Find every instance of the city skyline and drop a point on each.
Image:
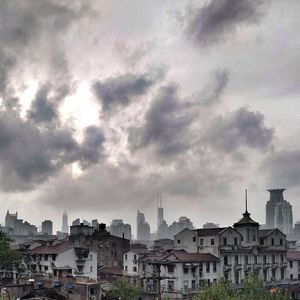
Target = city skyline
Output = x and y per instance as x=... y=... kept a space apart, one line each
x=158 y=203
x=176 y=100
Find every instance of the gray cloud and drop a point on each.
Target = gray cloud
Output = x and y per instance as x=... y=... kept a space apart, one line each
x=29 y=156
x=212 y=92
x=220 y=18
x=166 y=125
x=44 y=109
x=121 y=90
x=282 y=168
x=239 y=128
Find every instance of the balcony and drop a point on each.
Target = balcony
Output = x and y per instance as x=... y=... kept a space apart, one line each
x=227 y=268
x=237 y=267
x=258 y=266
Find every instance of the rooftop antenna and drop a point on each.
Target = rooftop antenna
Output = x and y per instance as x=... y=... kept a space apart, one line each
x=246 y=199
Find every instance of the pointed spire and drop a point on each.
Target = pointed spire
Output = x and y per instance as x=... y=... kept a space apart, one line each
x=246 y=199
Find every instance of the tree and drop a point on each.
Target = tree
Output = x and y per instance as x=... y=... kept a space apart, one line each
x=124 y=290
x=253 y=289
x=9 y=260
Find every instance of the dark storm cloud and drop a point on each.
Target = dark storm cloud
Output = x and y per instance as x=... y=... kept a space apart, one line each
x=220 y=18
x=239 y=128
x=121 y=90
x=282 y=168
x=29 y=156
x=166 y=125
x=44 y=108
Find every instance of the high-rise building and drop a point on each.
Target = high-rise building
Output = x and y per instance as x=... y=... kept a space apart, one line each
x=10 y=220
x=143 y=228
x=65 y=226
x=47 y=227
x=279 y=212
x=118 y=228
x=76 y=222
x=160 y=213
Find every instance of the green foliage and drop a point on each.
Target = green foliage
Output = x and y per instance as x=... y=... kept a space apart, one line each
x=125 y=290
x=253 y=289
x=9 y=259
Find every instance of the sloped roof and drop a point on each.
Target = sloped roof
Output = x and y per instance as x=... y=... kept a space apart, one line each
x=264 y=232
x=181 y=256
x=209 y=231
x=293 y=255
x=53 y=249
x=246 y=220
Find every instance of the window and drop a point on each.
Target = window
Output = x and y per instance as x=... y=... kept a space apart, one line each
x=171 y=268
x=254 y=238
x=281 y=258
x=134 y=269
x=46 y=268
x=185 y=285
x=282 y=273
x=214 y=267
x=255 y=259
x=126 y=268
x=235 y=241
x=201 y=242
x=46 y=256
x=265 y=272
x=212 y=242
x=291 y=264
x=194 y=239
x=170 y=285
x=265 y=259
x=193 y=270
x=207 y=267
x=178 y=241
x=134 y=257
x=246 y=259
x=273 y=259
x=91 y=257
x=125 y=256
x=236 y=259
x=224 y=241
x=200 y=267
x=92 y=291
x=193 y=285
x=281 y=242
x=291 y=277
x=261 y=241
x=272 y=242
x=236 y=277
x=273 y=274
x=91 y=269
x=185 y=270
x=226 y=260
x=53 y=257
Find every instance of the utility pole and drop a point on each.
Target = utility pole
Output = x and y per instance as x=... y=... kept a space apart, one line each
x=156 y=275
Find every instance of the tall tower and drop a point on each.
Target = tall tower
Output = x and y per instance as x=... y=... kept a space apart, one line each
x=65 y=226
x=160 y=212
x=279 y=212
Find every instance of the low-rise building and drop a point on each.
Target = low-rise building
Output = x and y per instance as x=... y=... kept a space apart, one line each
x=242 y=249
x=177 y=274
x=293 y=258
x=60 y=258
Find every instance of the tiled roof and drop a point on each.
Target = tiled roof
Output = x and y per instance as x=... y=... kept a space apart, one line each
x=111 y=270
x=293 y=255
x=246 y=220
x=264 y=232
x=139 y=248
x=180 y=256
x=55 y=249
x=209 y=231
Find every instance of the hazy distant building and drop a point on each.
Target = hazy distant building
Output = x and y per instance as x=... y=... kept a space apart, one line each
x=47 y=227
x=297 y=230
x=95 y=223
x=118 y=228
x=210 y=225
x=10 y=222
x=279 y=212
x=143 y=228
x=65 y=226
x=76 y=222
x=176 y=227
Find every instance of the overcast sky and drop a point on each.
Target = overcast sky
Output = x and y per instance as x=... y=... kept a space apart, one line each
x=105 y=104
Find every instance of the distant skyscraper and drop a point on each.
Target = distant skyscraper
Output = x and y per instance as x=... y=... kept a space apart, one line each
x=279 y=212
x=143 y=228
x=160 y=213
x=118 y=228
x=47 y=227
x=65 y=226
x=76 y=222
x=10 y=220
